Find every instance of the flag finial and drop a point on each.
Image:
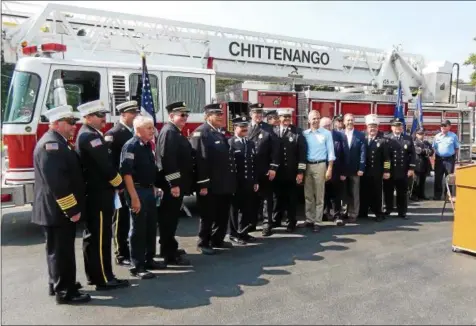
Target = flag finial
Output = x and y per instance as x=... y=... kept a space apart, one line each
x=142 y=54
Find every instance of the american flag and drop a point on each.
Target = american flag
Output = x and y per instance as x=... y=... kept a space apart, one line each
x=399 y=107
x=417 y=115
x=146 y=100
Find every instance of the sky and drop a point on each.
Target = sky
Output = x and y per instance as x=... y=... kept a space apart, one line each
x=437 y=30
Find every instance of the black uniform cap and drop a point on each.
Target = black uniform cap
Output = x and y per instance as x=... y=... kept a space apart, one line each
x=271 y=113
x=257 y=107
x=241 y=121
x=397 y=121
x=177 y=107
x=338 y=117
x=213 y=108
x=420 y=131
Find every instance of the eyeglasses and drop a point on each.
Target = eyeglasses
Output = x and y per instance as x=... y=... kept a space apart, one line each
x=71 y=122
x=99 y=114
x=183 y=115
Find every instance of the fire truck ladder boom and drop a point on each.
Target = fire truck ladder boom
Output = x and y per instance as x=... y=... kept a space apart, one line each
x=99 y=35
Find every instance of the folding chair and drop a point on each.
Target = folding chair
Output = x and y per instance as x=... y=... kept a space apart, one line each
x=450 y=180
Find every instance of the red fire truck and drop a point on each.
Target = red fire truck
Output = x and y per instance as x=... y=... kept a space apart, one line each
x=102 y=61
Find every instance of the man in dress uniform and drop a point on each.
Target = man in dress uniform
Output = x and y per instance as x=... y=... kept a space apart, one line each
x=272 y=118
x=116 y=137
x=175 y=158
x=338 y=122
x=102 y=183
x=247 y=183
x=140 y=176
x=377 y=167
x=402 y=157
x=267 y=157
x=215 y=180
x=423 y=151
x=58 y=203
x=291 y=169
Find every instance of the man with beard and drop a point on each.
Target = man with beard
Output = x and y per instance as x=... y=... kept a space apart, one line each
x=175 y=158
x=102 y=183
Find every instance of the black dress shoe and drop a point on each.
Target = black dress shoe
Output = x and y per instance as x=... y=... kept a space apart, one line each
x=403 y=216
x=51 y=290
x=206 y=250
x=72 y=298
x=238 y=241
x=223 y=245
x=178 y=261
x=141 y=273
x=249 y=238
x=155 y=265
x=291 y=228
x=379 y=218
x=387 y=212
x=112 y=284
x=123 y=261
x=266 y=231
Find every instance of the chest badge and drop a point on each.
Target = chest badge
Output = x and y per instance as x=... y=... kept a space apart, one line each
x=378 y=144
x=260 y=136
x=290 y=139
x=405 y=146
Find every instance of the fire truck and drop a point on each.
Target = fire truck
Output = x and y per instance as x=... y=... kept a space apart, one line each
x=90 y=54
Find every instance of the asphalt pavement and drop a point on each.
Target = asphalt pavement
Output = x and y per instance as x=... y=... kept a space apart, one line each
x=394 y=272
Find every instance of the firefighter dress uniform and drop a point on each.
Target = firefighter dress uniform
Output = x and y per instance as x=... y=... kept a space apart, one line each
x=293 y=157
x=378 y=163
x=402 y=157
x=175 y=158
x=59 y=195
x=102 y=180
x=214 y=171
x=243 y=214
x=116 y=137
x=423 y=151
x=267 y=158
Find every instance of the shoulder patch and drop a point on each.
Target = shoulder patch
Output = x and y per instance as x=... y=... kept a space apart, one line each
x=196 y=134
x=129 y=156
x=51 y=146
x=108 y=138
x=96 y=142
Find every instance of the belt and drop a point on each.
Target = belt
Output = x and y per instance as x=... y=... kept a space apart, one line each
x=444 y=157
x=316 y=162
x=143 y=185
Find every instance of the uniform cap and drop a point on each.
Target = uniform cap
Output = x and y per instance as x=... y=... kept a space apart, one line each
x=130 y=106
x=446 y=123
x=420 y=131
x=92 y=107
x=177 y=107
x=284 y=112
x=371 y=119
x=338 y=117
x=213 y=108
x=60 y=112
x=397 y=121
x=271 y=113
x=241 y=121
x=257 y=107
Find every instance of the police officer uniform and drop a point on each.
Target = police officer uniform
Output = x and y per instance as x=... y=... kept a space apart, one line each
x=292 y=162
x=402 y=156
x=267 y=158
x=377 y=163
x=59 y=196
x=116 y=137
x=215 y=171
x=423 y=151
x=242 y=213
x=102 y=180
x=175 y=158
x=137 y=161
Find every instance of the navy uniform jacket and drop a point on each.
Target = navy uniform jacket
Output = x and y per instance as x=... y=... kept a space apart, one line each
x=402 y=155
x=245 y=162
x=293 y=153
x=267 y=148
x=175 y=159
x=59 y=184
x=214 y=162
x=137 y=160
x=423 y=151
x=378 y=156
x=96 y=159
x=116 y=137
x=338 y=167
x=356 y=154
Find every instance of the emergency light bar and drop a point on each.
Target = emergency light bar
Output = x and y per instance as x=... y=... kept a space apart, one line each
x=45 y=48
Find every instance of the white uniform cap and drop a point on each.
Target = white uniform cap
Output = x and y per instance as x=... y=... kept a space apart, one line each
x=58 y=113
x=92 y=107
x=371 y=119
x=285 y=111
x=128 y=106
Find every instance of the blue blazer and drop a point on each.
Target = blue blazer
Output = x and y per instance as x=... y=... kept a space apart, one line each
x=340 y=161
x=355 y=154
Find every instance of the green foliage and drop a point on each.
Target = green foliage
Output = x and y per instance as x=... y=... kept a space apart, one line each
x=222 y=83
x=471 y=61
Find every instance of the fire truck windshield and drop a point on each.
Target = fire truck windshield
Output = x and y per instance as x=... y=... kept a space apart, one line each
x=22 y=97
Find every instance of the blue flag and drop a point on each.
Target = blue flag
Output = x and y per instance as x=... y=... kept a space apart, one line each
x=417 y=115
x=146 y=100
x=399 y=107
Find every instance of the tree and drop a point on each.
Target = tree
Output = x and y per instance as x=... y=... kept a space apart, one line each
x=471 y=61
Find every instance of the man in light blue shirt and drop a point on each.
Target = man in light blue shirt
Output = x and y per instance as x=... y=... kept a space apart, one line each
x=446 y=146
x=320 y=159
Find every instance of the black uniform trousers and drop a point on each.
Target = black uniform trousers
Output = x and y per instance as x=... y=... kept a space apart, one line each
x=333 y=196
x=143 y=231
x=214 y=215
x=266 y=200
x=169 y=213
x=60 y=256
x=242 y=214
x=287 y=197
x=443 y=167
x=120 y=229
x=401 y=187
x=97 y=236
x=371 y=195
x=419 y=185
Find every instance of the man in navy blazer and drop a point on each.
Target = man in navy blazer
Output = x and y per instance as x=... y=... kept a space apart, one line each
x=355 y=154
